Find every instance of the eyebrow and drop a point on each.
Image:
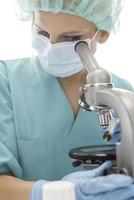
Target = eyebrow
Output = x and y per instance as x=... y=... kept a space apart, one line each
x=72 y=32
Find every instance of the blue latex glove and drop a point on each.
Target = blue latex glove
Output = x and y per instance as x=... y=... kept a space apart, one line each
x=117 y=133
x=36 y=193
x=91 y=185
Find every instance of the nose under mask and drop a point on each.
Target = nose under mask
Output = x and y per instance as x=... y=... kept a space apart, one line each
x=59 y=59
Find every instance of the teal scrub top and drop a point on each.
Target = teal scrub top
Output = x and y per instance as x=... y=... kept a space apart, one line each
x=37 y=125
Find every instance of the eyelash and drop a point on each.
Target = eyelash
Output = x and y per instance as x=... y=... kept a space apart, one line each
x=67 y=38
x=44 y=33
x=73 y=38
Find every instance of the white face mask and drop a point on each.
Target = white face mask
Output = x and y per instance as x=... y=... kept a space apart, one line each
x=59 y=59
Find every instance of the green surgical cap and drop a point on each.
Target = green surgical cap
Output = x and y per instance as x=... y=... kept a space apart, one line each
x=103 y=13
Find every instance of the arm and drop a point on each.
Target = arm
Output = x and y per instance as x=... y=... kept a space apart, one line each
x=12 y=188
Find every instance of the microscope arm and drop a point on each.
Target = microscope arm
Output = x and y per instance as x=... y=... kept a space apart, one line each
x=122 y=102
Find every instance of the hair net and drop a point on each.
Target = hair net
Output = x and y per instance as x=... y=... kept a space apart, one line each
x=103 y=13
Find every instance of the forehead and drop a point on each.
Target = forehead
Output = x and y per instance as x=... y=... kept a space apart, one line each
x=62 y=21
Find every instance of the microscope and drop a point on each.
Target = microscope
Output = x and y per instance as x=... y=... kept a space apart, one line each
x=98 y=95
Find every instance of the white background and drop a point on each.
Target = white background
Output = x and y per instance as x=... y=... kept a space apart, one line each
x=117 y=55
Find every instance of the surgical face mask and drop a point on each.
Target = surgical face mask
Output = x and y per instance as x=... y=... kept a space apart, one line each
x=58 y=59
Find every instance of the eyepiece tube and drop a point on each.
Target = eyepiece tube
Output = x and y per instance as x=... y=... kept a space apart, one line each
x=86 y=56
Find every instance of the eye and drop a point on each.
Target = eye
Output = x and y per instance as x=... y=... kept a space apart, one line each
x=44 y=33
x=71 y=38
x=39 y=31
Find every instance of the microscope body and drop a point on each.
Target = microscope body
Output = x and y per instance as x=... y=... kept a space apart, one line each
x=99 y=95
x=122 y=101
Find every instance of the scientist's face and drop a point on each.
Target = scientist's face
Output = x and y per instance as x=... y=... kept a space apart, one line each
x=63 y=27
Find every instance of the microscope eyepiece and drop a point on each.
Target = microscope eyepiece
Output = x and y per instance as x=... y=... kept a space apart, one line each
x=80 y=42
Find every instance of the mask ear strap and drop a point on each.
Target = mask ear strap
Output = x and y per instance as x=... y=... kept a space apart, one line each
x=95 y=35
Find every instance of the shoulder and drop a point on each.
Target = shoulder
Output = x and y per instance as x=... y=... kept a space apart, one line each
x=24 y=73
x=121 y=83
x=18 y=69
x=8 y=70
x=6 y=65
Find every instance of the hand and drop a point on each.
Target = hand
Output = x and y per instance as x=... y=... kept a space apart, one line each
x=91 y=185
x=36 y=193
x=116 y=137
x=116 y=134
x=113 y=132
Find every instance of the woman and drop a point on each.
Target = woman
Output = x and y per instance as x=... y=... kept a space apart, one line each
x=40 y=117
